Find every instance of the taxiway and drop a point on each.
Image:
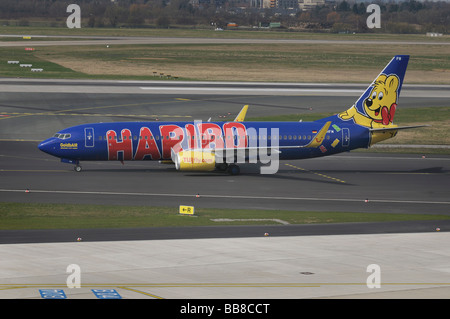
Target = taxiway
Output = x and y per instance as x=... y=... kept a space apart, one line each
x=218 y=262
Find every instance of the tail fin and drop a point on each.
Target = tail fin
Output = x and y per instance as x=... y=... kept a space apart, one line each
x=376 y=107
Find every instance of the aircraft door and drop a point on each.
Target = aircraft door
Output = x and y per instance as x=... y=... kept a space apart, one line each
x=89 y=137
x=345 y=137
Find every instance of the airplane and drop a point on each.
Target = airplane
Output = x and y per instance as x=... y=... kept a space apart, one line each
x=208 y=146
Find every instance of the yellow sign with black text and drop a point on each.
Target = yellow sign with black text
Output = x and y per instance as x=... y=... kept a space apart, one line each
x=186 y=210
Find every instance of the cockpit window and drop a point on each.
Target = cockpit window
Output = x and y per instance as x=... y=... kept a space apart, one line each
x=62 y=136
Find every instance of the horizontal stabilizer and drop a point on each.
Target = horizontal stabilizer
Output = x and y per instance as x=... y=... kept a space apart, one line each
x=395 y=128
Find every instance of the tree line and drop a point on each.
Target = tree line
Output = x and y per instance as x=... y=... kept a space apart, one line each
x=409 y=16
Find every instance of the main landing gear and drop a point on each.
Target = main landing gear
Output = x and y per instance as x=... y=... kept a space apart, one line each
x=231 y=169
x=77 y=168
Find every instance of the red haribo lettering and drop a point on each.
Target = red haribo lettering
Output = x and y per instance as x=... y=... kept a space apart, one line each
x=210 y=133
x=191 y=136
x=124 y=146
x=146 y=146
x=171 y=137
x=235 y=135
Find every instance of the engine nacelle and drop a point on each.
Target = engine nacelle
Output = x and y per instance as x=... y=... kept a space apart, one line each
x=194 y=161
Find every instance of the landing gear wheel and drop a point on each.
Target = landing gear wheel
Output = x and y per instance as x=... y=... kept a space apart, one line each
x=233 y=169
x=222 y=167
x=77 y=168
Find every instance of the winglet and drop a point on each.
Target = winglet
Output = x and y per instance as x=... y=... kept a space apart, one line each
x=241 y=116
x=320 y=136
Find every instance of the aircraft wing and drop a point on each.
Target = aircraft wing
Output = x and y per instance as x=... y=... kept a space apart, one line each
x=241 y=116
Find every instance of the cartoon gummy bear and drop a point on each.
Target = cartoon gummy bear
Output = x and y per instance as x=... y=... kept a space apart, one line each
x=379 y=106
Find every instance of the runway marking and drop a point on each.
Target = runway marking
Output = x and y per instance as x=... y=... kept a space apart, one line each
x=417 y=157
x=315 y=173
x=217 y=285
x=73 y=192
x=62 y=112
x=35 y=170
x=102 y=115
x=252 y=90
x=17 y=140
x=141 y=292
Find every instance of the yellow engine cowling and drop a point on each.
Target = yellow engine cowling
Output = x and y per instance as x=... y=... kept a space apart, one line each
x=194 y=161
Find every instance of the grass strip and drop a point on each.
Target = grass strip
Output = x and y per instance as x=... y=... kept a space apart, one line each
x=315 y=62
x=15 y=216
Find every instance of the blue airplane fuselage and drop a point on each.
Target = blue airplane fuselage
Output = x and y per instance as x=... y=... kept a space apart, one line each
x=153 y=140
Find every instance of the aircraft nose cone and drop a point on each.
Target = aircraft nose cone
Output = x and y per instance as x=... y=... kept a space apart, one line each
x=46 y=146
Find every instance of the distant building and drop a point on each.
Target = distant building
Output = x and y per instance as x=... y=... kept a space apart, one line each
x=262 y=4
x=310 y=4
x=286 y=4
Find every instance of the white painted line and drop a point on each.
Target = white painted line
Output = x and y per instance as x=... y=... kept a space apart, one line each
x=165 y=88
x=418 y=158
x=73 y=192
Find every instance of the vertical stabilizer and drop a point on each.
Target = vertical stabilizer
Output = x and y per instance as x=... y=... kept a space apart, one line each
x=376 y=107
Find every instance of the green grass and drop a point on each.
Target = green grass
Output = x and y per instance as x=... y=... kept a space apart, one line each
x=208 y=32
x=51 y=70
x=71 y=216
x=403 y=116
x=277 y=60
x=291 y=117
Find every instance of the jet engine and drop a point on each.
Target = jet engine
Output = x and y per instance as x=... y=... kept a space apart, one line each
x=194 y=160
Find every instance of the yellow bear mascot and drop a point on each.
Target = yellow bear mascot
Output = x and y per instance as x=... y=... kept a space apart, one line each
x=379 y=106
